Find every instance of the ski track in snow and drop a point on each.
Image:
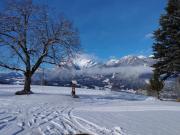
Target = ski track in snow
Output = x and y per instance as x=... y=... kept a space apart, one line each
x=43 y=119
x=52 y=111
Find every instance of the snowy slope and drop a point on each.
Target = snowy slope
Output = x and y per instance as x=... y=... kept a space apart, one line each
x=52 y=111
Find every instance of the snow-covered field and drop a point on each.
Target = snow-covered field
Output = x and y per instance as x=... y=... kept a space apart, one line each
x=52 y=111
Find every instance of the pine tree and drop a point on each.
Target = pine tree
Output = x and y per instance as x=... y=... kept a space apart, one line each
x=156 y=84
x=167 y=43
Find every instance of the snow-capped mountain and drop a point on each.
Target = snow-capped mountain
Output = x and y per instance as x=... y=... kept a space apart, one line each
x=112 y=62
x=130 y=60
x=79 y=62
x=84 y=62
x=136 y=60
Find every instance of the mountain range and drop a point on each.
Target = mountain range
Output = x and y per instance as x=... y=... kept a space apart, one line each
x=84 y=62
x=128 y=72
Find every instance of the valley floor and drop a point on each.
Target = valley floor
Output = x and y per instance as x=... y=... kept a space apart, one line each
x=52 y=111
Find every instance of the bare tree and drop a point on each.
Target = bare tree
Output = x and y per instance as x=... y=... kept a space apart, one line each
x=30 y=37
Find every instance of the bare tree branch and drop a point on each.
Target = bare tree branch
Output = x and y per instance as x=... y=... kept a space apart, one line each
x=32 y=36
x=11 y=68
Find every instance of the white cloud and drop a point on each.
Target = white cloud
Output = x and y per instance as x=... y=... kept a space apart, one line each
x=149 y=36
x=125 y=72
x=151 y=56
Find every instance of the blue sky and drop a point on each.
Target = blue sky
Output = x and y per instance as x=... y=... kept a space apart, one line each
x=113 y=27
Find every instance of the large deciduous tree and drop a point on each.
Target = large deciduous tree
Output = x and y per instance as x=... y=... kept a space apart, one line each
x=167 y=43
x=31 y=36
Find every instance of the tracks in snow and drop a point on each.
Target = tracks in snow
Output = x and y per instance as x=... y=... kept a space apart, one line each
x=46 y=119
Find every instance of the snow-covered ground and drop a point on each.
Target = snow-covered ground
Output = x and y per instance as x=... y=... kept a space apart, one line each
x=52 y=111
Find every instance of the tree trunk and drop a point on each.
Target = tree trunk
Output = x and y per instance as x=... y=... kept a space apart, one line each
x=158 y=94
x=27 y=85
x=178 y=86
